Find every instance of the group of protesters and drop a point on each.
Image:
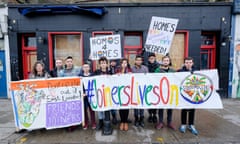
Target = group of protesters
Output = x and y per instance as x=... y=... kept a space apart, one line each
x=107 y=118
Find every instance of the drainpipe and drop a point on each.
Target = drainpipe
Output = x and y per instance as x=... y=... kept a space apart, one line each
x=231 y=57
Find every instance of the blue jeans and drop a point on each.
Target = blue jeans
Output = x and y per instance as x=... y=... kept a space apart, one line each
x=169 y=115
x=101 y=115
x=139 y=112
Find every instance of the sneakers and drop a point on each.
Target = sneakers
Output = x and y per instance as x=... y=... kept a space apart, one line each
x=94 y=126
x=85 y=127
x=159 y=126
x=141 y=123
x=136 y=123
x=193 y=129
x=171 y=126
x=182 y=128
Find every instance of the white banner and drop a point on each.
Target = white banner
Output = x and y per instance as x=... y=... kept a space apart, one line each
x=108 y=46
x=160 y=35
x=154 y=90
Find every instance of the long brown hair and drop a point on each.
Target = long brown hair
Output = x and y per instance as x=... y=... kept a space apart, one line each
x=34 y=70
x=128 y=65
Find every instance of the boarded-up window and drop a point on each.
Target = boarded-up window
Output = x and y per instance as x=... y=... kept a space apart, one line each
x=177 y=51
x=68 y=45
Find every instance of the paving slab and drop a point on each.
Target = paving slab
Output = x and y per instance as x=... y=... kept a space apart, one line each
x=214 y=126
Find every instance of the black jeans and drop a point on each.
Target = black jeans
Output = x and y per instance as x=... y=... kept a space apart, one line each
x=191 y=114
x=124 y=115
x=152 y=112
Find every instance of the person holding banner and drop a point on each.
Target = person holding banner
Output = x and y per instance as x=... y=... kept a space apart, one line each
x=86 y=73
x=106 y=124
x=113 y=66
x=122 y=69
x=39 y=71
x=69 y=71
x=152 y=65
x=58 y=67
x=188 y=66
x=139 y=68
x=112 y=70
x=165 y=68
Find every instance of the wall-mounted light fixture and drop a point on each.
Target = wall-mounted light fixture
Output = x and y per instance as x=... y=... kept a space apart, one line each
x=40 y=39
x=226 y=39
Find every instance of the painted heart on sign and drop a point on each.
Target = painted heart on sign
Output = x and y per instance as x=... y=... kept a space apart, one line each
x=28 y=104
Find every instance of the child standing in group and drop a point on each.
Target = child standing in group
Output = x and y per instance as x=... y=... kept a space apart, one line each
x=86 y=73
x=139 y=68
x=188 y=66
x=122 y=69
x=165 y=68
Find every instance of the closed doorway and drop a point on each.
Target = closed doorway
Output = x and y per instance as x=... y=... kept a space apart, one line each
x=3 y=80
x=29 y=53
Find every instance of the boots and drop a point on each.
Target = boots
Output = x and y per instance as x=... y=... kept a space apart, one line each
x=141 y=123
x=107 y=129
x=114 y=119
x=136 y=122
x=100 y=124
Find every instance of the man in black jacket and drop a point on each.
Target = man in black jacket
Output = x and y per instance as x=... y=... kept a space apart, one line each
x=152 y=66
x=104 y=117
x=58 y=67
x=188 y=66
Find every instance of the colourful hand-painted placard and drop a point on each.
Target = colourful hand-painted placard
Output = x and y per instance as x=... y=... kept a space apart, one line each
x=47 y=103
x=160 y=34
x=108 y=46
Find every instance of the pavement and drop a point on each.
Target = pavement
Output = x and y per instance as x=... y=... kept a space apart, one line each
x=214 y=126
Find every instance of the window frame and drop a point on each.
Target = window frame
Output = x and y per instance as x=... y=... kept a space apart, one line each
x=133 y=34
x=50 y=45
x=211 y=51
x=25 y=49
